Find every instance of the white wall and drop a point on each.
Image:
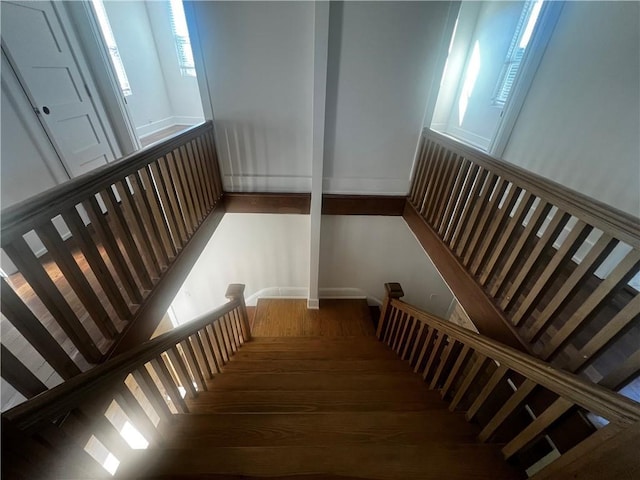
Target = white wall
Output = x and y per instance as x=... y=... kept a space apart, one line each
x=149 y=103
x=258 y=58
x=580 y=122
x=365 y=252
x=184 y=96
x=382 y=58
x=258 y=250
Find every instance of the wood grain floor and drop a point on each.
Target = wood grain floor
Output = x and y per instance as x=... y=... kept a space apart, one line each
x=162 y=134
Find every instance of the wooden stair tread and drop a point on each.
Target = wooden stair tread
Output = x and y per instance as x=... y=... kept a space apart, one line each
x=265 y=401
x=315 y=381
x=438 y=461
x=311 y=366
x=319 y=429
x=318 y=354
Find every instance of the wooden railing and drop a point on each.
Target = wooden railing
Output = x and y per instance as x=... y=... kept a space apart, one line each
x=70 y=430
x=556 y=264
x=108 y=238
x=518 y=400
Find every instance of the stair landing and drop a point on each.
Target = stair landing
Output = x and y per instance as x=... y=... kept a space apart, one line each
x=319 y=405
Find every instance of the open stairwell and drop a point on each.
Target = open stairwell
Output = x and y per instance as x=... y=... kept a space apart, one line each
x=318 y=407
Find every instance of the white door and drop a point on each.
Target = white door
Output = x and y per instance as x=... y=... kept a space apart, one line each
x=35 y=43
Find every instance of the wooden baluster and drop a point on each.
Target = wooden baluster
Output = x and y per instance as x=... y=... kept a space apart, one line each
x=98 y=425
x=198 y=347
x=507 y=236
x=417 y=174
x=221 y=341
x=152 y=393
x=180 y=369
x=119 y=221
x=393 y=325
x=76 y=279
x=196 y=186
x=192 y=190
x=14 y=309
x=457 y=366
x=452 y=202
x=555 y=227
x=443 y=184
x=492 y=199
x=435 y=354
x=225 y=335
x=110 y=244
x=435 y=183
x=411 y=337
x=167 y=382
x=215 y=164
x=516 y=400
x=479 y=199
x=152 y=220
x=499 y=220
x=619 y=277
x=393 y=290
x=448 y=352
x=134 y=228
x=231 y=328
x=34 y=273
x=182 y=189
x=211 y=164
x=486 y=392
x=94 y=259
x=217 y=349
x=425 y=349
x=214 y=362
x=468 y=380
x=233 y=323
x=619 y=323
x=461 y=204
x=235 y=291
x=161 y=217
x=430 y=155
x=196 y=373
x=537 y=427
x=417 y=342
x=581 y=274
x=528 y=234
x=563 y=255
x=455 y=163
x=401 y=324
x=206 y=200
x=432 y=176
x=139 y=418
x=19 y=376
x=171 y=197
x=237 y=322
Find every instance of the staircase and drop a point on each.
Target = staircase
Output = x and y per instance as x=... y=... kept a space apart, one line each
x=336 y=407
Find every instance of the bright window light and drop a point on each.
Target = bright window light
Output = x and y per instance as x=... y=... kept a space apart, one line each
x=110 y=40
x=181 y=38
x=111 y=464
x=133 y=437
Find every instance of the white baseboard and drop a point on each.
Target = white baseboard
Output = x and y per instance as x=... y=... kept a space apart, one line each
x=266 y=183
x=153 y=127
x=365 y=186
x=301 y=292
x=184 y=120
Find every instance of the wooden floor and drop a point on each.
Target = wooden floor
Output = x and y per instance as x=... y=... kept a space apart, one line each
x=162 y=134
x=315 y=395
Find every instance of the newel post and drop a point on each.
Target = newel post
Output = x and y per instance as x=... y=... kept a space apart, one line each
x=394 y=290
x=235 y=291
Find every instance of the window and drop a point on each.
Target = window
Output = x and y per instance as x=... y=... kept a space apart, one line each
x=519 y=42
x=109 y=39
x=181 y=38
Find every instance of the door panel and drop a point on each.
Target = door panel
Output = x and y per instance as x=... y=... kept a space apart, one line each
x=34 y=41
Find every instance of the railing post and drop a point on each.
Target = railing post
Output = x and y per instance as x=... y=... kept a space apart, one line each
x=394 y=290
x=236 y=291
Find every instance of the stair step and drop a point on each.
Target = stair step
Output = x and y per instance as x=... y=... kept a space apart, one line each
x=312 y=366
x=315 y=381
x=437 y=461
x=245 y=353
x=265 y=401
x=317 y=429
x=316 y=343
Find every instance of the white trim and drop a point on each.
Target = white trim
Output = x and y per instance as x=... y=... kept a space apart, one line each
x=184 y=120
x=343 y=293
x=277 y=292
x=468 y=137
x=266 y=183
x=154 y=127
x=313 y=304
x=366 y=186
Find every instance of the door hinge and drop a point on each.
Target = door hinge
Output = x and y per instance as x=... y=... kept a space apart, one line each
x=36 y=110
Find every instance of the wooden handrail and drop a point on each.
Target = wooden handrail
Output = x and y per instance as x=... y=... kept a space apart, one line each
x=21 y=216
x=600 y=215
x=53 y=403
x=589 y=396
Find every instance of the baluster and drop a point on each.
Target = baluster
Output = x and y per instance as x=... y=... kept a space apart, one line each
x=563 y=255
x=457 y=366
x=171 y=388
x=417 y=342
x=425 y=348
x=181 y=371
x=182 y=190
x=468 y=381
x=619 y=277
x=432 y=148
x=461 y=204
x=215 y=164
x=196 y=373
x=455 y=164
x=192 y=190
x=76 y=279
x=35 y=274
x=623 y=373
x=19 y=376
x=223 y=343
x=516 y=400
x=452 y=202
x=212 y=357
x=14 y=309
x=435 y=354
x=448 y=353
x=411 y=338
x=206 y=172
x=486 y=392
x=94 y=259
x=417 y=174
x=199 y=350
x=435 y=184
x=170 y=199
x=139 y=419
x=161 y=217
x=151 y=392
x=478 y=201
